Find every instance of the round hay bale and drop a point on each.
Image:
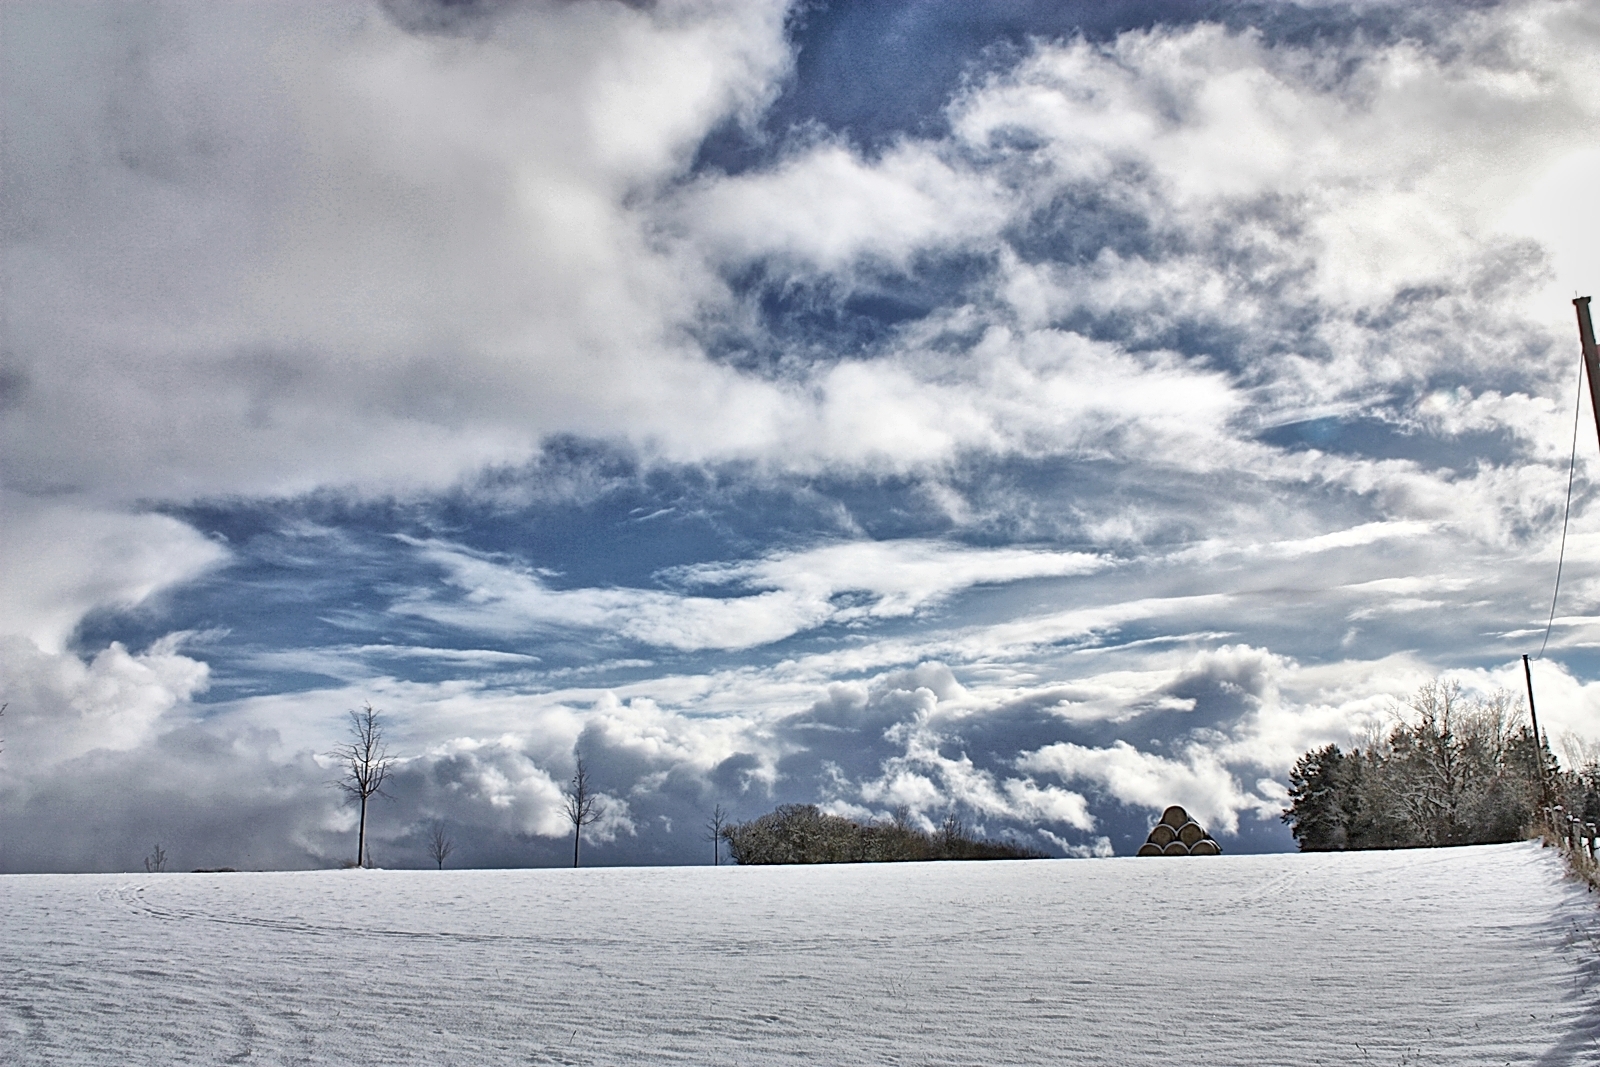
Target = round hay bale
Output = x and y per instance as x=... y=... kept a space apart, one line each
x=1190 y=832
x=1147 y=849
x=1205 y=847
x=1162 y=835
x=1175 y=848
x=1174 y=817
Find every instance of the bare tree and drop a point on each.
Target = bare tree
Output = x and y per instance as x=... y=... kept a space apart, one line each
x=156 y=862
x=366 y=763
x=440 y=845
x=581 y=806
x=951 y=831
x=716 y=830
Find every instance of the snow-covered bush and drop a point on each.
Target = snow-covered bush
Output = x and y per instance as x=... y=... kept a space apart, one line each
x=801 y=833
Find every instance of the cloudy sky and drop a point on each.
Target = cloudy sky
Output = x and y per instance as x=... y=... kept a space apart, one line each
x=1038 y=411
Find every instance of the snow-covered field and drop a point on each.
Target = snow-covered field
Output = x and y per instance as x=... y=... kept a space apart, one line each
x=1453 y=956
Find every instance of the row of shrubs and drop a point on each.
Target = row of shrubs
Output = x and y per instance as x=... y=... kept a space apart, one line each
x=1456 y=770
x=801 y=833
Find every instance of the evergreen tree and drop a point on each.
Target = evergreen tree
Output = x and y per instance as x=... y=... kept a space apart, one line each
x=1318 y=816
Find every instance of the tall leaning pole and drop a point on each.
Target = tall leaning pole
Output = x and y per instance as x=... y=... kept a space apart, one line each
x=1591 y=373
x=1538 y=743
x=1586 y=336
x=1591 y=357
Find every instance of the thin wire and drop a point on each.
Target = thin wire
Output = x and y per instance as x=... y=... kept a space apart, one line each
x=1572 y=466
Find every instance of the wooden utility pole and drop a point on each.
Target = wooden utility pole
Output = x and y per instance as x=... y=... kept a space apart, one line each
x=1591 y=356
x=1538 y=742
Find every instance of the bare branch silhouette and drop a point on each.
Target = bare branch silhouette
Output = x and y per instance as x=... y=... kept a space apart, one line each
x=440 y=845
x=366 y=764
x=716 y=830
x=580 y=805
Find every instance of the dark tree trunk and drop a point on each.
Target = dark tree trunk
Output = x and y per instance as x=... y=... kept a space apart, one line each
x=361 y=836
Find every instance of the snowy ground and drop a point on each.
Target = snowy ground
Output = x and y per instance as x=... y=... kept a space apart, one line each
x=1452 y=956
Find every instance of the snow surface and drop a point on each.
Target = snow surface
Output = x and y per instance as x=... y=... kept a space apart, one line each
x=1451 y=956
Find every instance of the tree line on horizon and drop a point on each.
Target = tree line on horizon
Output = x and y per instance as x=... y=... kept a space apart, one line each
x=793 y=833
x=803 y=833
x=1456 y=769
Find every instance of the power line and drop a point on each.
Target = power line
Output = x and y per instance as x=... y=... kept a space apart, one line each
x=1572 y=467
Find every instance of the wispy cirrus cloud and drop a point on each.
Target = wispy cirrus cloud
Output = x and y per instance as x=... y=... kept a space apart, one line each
x=768 y=599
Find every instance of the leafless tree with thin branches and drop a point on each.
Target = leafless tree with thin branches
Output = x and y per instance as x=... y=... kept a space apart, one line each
x=440 y=845
x=156 y=862
x=580 y=805
x=366 y=764
x=716 y=830
x=951 y=830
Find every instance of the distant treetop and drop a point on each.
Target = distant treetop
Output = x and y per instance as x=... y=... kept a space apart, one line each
x=801 y=833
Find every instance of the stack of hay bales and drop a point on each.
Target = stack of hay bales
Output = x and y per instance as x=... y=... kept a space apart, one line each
x=1178 y=835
